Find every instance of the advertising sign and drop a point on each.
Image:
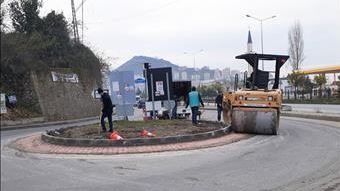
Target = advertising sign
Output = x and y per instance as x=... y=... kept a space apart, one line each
x=123 y=95
x=59 y=77
x=159 y=88
x=159 y=83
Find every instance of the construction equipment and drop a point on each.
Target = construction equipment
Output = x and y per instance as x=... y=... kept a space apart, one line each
x=255 y=108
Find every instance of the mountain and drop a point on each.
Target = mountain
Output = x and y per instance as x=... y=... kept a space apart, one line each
x=136 y=64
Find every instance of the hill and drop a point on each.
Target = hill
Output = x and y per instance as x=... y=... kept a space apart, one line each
x=136 y=64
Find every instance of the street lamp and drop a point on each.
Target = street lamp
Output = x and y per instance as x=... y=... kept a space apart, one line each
x=194 y=54
x=261 y=20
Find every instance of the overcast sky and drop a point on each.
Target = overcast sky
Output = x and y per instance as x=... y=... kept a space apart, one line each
x=165 y=29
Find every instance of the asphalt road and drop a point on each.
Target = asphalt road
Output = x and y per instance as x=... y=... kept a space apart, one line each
x=305 y=156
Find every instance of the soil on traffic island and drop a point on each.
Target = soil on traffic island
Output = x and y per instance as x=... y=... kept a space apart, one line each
x=133 y=129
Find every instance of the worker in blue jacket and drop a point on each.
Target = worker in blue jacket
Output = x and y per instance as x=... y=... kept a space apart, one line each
x=194 y=100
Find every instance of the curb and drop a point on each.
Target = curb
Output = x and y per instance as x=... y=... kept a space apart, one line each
x=135 y=141
x=36 y=125
x=312 y=116
x=327 y=117
x=34 y=144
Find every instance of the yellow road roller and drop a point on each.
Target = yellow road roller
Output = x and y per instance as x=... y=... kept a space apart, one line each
x=255 y=108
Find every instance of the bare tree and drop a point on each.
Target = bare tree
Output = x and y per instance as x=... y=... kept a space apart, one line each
x=296 y=45
x=2 y=15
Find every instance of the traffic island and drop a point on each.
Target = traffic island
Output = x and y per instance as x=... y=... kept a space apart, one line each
x=215 y=134
x=135 y=133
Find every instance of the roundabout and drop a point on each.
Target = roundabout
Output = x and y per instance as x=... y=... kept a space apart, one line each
x=304 y=156
x=176 y=135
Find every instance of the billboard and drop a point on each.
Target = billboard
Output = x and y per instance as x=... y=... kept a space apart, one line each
x=159 y=83
x=122 y=87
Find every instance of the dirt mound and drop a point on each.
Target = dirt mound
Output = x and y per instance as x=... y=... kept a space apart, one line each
x=133 y=129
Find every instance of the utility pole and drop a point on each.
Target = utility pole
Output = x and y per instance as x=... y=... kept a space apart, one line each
x=82 y=21
x=82 y=18
x=74 y=23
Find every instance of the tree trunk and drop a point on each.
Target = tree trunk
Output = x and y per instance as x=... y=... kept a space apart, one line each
x=320 y=91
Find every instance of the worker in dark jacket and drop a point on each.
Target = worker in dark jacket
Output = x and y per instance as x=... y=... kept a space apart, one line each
x=107 y=110
x=218 y=101
x=194 y=100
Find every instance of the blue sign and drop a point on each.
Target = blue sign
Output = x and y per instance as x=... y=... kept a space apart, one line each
x=140 y=81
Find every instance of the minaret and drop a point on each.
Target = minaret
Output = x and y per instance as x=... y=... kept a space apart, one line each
x=249 y=50
x=249 y=43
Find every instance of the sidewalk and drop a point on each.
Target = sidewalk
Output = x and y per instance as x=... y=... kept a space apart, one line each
x=91 y=120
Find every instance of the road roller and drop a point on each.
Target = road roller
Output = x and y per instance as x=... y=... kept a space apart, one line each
x=255 y=107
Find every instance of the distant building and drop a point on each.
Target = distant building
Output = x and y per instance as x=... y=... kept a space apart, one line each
x=226 y=73
x=175 y=75
x=218 y=74
x=234 y=72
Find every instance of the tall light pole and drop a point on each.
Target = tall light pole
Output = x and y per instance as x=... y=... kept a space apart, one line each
x=82 y=18
x=261 y=20
x=194 y=55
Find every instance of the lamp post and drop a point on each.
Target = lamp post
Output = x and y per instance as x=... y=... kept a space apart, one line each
x=194 y=55
x=261 y=21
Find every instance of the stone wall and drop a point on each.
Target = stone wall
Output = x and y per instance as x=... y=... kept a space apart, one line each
x=64 y=100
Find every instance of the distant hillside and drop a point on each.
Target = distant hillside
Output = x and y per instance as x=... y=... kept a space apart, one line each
x=136 y=64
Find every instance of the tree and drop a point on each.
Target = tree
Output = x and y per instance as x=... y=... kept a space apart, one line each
x=55 y=26
x=308 y=85
x=320 y=80
x=210 y=90
x=296 y=79
x=2 y=15
x=296 y=46
x=25 y=15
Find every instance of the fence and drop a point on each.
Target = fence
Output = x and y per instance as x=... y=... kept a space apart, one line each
x=326 y=93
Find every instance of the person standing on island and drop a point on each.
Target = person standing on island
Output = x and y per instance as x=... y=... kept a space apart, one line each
x=107 y=110
x=194 y=100
x=218 y=101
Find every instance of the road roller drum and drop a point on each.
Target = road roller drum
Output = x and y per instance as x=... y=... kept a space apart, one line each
x=255 y=120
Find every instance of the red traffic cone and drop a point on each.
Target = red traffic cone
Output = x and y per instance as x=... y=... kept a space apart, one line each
x=115 y=136
x=146 y=133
